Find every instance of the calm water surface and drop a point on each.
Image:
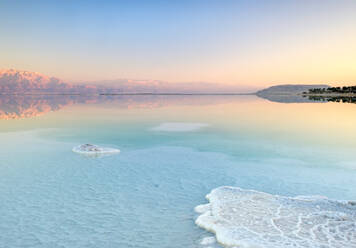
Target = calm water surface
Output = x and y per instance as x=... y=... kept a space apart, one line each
x=145 y=196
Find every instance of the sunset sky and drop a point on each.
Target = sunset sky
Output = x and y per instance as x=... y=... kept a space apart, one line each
x=248 y=43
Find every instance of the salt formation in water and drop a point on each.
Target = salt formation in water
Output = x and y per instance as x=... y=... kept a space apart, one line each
x=89 y=149
x=179 y=127
x=247 y=218
x=208 y=241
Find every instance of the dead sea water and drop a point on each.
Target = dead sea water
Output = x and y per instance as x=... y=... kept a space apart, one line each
x=174 y=150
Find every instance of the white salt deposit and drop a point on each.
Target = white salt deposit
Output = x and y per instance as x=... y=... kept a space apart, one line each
x=247 y=218
x=89 y=149
x=208 y=241
x=179 y=127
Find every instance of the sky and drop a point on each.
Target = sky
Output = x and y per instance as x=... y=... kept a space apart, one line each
x=249 y=43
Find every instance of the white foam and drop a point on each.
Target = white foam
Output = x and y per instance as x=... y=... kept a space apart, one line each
x=247 y=218
x=93 y=150
x=179 y=127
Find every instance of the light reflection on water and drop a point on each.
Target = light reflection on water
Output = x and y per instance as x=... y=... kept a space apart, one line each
x=145 y=196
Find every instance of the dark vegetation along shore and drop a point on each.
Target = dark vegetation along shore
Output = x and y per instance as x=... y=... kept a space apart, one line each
x=309 y=93
x=345 y=94
x=345 y=90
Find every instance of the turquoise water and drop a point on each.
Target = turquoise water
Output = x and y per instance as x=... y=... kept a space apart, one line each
x=145 y=195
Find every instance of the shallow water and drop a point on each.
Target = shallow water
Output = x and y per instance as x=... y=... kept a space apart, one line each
x=145 y=195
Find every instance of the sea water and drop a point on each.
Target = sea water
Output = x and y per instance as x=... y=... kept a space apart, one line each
x=173 y=152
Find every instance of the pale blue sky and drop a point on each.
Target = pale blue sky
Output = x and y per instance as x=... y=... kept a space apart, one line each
x=241 y=42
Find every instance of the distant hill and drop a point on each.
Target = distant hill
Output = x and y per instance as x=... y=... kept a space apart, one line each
x=289 y=89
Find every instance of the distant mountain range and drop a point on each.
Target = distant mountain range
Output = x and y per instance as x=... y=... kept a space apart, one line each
x=162 y=87
x=24 y=82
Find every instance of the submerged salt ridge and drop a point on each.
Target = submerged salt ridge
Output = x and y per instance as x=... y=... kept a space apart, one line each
x=179 y=127
x=247 y=218
x=89 y=149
